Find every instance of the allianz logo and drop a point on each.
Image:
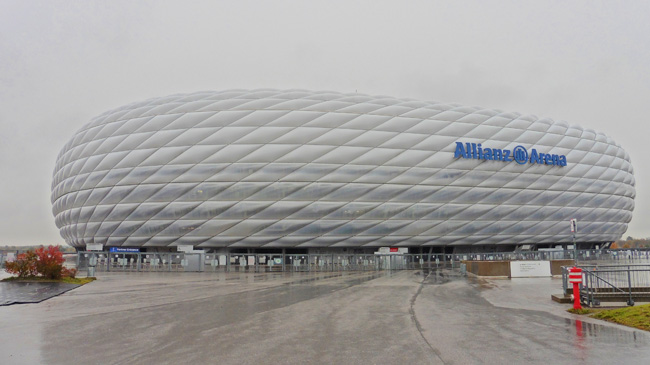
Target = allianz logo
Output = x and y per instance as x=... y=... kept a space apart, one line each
x=519 y=154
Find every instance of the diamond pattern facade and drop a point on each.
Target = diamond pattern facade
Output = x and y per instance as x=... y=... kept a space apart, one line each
x=295 y=168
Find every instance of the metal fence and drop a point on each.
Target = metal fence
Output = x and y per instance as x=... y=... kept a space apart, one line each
x=211 y=262
x=612 y=283
x=231 y=262
x=593 y=256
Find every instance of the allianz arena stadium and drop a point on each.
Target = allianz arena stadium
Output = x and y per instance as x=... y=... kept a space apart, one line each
x=293 y=169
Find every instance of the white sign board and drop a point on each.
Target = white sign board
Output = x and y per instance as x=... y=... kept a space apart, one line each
x=184 y=248
x=530 y=269
x=94 y=246
x=392 y=251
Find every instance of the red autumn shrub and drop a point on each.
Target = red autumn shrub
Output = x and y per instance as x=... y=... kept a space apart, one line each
x=45 y=261
x=50 y=262
x=24 y=265
x=68 y=273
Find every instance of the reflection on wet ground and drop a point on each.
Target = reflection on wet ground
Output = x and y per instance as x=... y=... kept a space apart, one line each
x=439 y=277
x=296 y=318
x=497 y=320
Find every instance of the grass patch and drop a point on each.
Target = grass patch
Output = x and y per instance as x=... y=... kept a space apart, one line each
x=637 y=316
x=37 y=279
x=80 y=281
x=581 y=311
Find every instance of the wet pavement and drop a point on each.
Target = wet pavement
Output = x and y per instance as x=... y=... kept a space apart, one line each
x=514 y=321
x=31 y=292
x=312 y=318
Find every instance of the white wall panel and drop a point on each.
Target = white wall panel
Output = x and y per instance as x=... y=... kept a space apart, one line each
x=295 y=168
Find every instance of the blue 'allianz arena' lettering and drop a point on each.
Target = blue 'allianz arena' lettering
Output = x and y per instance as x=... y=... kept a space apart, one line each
x=520 y=155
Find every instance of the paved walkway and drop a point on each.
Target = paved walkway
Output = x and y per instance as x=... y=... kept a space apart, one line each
x=311 y=318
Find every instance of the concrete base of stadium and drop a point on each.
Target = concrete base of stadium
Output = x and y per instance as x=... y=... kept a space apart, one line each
x=297 y=318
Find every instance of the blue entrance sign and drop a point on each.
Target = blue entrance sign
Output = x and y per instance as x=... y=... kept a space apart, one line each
x=123 y=249
x=519 y=154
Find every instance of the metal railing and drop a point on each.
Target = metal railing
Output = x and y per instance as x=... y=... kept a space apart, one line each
x=611 y=283
x=594 y=256
x=243 y=262
x=215 y=262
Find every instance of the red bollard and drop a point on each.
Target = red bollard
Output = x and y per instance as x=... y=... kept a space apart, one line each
x=575 y=278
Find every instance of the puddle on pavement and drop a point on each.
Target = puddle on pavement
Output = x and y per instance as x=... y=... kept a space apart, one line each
x=584 y=331
x=440 y=276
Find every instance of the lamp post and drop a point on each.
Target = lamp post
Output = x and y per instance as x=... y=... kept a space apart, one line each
x=574 y=230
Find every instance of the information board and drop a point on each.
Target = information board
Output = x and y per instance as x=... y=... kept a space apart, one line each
x=185 y=248
x=530 y=269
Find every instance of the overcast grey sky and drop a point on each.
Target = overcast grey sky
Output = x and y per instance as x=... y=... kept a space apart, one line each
x=64 y=62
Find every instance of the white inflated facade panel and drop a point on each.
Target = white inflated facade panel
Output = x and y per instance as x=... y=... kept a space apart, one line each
x=295 y=168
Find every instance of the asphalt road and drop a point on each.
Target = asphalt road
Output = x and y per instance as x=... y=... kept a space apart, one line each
x=347 y=318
